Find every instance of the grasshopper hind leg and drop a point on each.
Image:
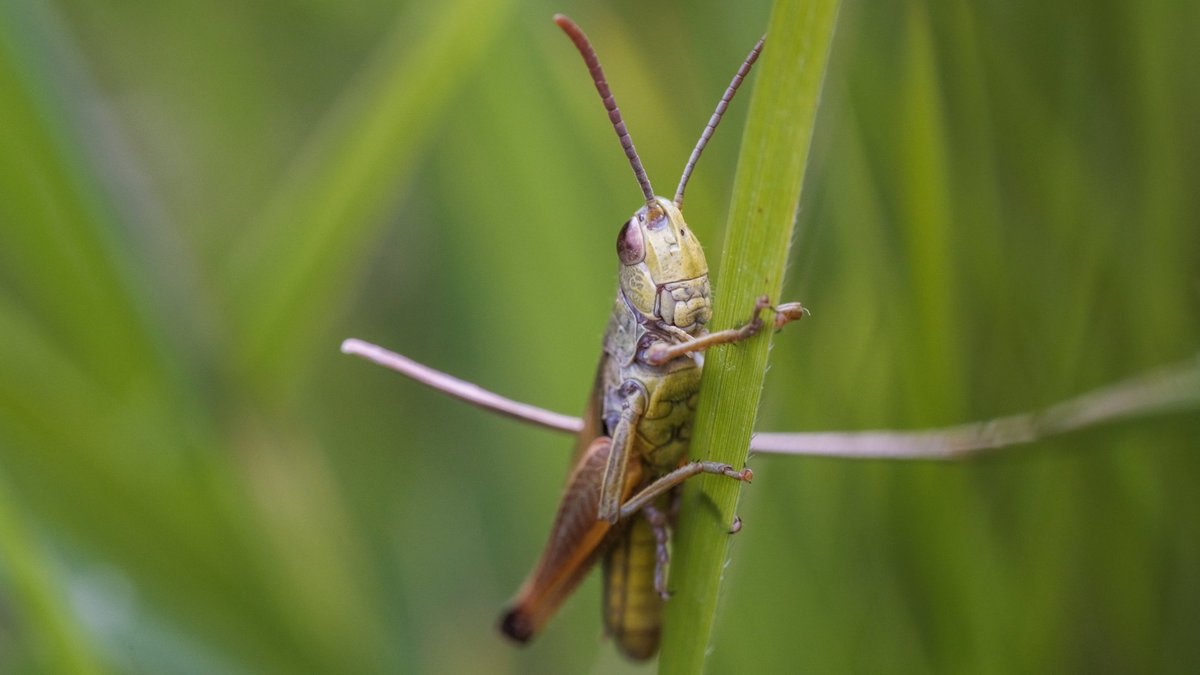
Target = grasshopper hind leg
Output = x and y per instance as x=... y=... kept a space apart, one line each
x=577 y=540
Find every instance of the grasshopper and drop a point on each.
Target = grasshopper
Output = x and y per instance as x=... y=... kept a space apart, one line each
x=632 y=442
x=632 y=450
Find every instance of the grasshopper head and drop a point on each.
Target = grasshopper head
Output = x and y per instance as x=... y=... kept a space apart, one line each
x=664 y=275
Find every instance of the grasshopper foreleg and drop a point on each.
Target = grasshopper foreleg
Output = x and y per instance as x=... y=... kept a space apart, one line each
x=660 y=352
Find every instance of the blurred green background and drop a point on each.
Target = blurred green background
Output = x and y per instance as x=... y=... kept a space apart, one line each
x=198 y=201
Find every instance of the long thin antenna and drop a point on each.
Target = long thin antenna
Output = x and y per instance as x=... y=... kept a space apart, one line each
x=610 y=104
x=716 y=119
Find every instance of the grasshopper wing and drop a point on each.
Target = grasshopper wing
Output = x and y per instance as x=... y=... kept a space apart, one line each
x=577 y=540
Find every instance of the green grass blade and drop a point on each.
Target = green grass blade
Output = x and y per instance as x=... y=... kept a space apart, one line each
x=58 y=253
x=34 y=592
x=763 y=211
x=331 y=205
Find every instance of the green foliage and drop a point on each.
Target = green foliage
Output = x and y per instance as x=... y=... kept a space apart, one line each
x=199 y=201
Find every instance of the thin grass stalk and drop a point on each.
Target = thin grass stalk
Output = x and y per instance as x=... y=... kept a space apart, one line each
x=762 y=215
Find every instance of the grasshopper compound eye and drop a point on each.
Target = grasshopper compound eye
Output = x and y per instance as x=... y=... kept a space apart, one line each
x=631 y=248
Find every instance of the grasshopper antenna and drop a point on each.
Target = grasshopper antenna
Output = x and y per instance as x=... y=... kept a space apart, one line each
x=574 y=32
x=716 y=119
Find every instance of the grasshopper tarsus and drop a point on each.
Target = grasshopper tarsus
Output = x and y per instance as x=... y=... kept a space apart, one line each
x=745 y=475
x=789 y=312
x=785 y=313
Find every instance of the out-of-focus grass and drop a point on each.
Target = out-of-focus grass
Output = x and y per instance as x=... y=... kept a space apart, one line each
x=195 y=198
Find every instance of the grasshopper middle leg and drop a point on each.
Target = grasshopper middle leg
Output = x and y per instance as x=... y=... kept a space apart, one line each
x=664 y=483
x=659 y=526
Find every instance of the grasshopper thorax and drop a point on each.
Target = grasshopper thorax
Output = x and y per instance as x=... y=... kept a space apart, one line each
x=664 y=275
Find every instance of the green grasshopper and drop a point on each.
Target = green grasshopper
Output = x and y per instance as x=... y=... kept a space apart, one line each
x=632 y=442
x=632 y=449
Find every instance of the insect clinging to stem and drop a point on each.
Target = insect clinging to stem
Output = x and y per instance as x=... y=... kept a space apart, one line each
x=632 y=450
x=632 y=441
